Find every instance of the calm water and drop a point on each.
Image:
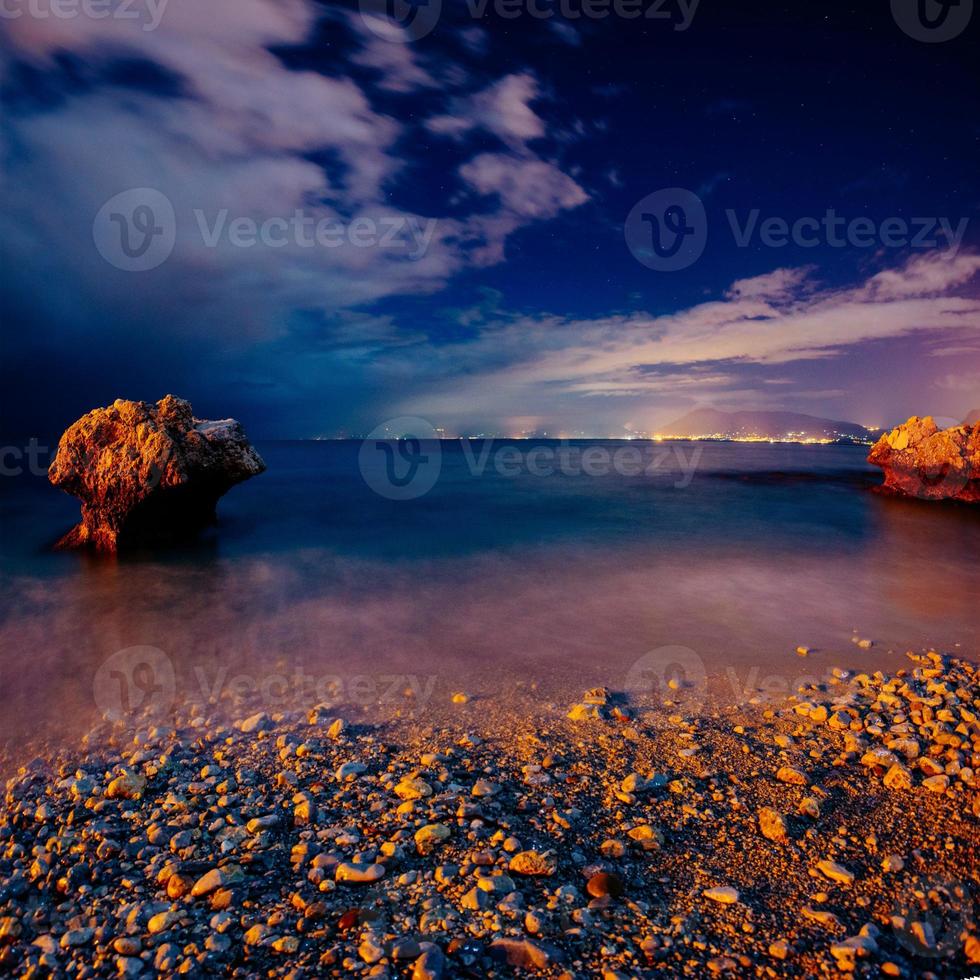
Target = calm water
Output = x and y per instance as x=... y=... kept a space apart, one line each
x=313 y=584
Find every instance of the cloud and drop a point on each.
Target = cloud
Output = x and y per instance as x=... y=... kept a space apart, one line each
x=503 y=109
x=387 y=50
x=244 y=134
x=530 y=188
x=763 y=324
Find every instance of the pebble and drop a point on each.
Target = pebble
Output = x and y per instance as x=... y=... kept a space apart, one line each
x=835 y=872
x=724 y=894
x=787 y=774
x=773 y=825
x=430 y=835
x=605 y=884
x=533 y=863
x=356 y=873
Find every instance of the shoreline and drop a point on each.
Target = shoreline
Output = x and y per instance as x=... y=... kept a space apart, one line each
x=830 y=832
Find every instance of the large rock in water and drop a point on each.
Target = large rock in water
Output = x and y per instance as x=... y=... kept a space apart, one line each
x=921 y=460
x=148 y=474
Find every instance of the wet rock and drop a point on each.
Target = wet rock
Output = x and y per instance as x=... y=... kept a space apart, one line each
x=921 y=460
x=148 y=474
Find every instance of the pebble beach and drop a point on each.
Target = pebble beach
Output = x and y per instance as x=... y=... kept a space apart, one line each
x=830 y=833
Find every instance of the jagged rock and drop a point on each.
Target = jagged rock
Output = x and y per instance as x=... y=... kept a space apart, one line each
x=921 y=460
x=148 y=474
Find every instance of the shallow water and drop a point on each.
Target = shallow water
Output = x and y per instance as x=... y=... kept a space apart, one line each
x=722 y=560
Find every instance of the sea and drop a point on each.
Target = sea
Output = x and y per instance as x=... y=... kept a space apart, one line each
x=371 y=577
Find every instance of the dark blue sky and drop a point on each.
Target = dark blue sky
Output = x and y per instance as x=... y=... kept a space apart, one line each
x=501 y=157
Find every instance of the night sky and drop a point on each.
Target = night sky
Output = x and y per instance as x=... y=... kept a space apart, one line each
x=513 y=149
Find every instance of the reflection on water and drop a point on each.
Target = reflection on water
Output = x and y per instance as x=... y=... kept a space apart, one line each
x=315 y=582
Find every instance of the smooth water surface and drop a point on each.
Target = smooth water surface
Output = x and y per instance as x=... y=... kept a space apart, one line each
x=314 y=583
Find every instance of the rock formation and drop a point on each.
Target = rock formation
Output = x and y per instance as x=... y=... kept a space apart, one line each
x=921 y=460
x=148 y=474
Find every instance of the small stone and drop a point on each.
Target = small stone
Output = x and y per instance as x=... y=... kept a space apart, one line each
x=723 y=894
x=773 y=825
x=496 y=884
x=128 y=946
x=533 y=863
x=160 y=922
x=586 y=712
x=370 y=951
x=405 y=949
x=207 y=883
x=475 y=899
x=898 y=777
x=429 y=836
x=524 y=954
x=356 y=873
x=255 y=723
x=10 y=930
x=412 y=788
x=836 y=872
x=349 y=771
x=128 y=786
x=779 y=950
x=460 y=698
x=937 y=784
x=604 y=885
x=892 y=863
x=787 y=774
